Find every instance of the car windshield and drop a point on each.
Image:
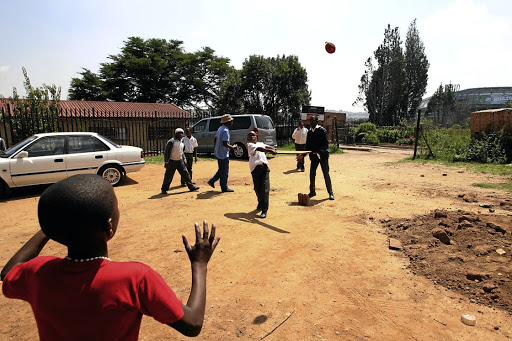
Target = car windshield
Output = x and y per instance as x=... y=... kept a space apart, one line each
x=18 y=146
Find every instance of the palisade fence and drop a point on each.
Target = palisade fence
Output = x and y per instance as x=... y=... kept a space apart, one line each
x=147 y=130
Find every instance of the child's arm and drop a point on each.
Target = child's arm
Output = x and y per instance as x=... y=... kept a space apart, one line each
x=199 y=254
x=267 y=149
x=30 y=250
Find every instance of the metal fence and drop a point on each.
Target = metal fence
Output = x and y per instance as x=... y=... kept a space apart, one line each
x=149 y=131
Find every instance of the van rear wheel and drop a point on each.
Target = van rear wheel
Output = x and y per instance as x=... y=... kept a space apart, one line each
x=240 y=152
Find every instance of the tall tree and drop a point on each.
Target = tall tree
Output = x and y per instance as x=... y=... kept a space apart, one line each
x=88 y=88
x=442 y=105
x=416 y=71
x=390 y=88
x=156 y=71
x=271 y=86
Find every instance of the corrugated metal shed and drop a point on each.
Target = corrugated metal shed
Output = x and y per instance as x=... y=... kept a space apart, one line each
x=122 y=109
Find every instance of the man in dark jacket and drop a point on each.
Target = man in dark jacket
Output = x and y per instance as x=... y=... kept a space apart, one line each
x=319 y=145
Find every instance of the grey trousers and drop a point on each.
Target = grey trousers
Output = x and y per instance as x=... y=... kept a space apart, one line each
x=172 y=167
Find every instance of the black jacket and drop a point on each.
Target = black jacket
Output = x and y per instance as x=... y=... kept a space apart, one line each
x=317 y=142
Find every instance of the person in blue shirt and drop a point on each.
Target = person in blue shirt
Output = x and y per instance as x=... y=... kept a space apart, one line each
x=221 y=152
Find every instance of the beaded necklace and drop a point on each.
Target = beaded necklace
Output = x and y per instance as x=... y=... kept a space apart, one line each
x=87 y=259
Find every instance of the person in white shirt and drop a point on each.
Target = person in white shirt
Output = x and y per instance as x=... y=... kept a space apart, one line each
x=190 y=151
x=174 y=160
x=299 y=136
x=258 y=164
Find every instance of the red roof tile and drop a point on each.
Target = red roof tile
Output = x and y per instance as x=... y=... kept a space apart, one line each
x=121 y=109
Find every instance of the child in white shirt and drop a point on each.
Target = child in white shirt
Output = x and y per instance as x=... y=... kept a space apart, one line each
x=258 y=165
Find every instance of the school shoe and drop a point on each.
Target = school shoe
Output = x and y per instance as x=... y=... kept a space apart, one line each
x=331 y=196
x=193 y=189
x=311 y=194
x=163 y=192
x=212 y=185
x=229 y=190
x=183 y=185
x=263 y=215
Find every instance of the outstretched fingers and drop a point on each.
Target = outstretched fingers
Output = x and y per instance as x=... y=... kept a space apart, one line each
x=213 y=241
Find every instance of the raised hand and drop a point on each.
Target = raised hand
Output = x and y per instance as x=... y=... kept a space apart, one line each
x=202 y=250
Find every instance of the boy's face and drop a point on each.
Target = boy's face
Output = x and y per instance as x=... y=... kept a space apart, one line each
x=179 y=135
x=188 y=133
x=252 y=137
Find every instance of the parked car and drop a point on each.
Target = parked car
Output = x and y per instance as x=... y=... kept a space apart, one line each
x=205 y=130
x=50 y=157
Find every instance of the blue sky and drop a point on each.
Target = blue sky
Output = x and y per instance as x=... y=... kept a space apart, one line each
x=468 y=42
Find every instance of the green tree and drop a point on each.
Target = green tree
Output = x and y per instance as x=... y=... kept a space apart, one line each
x=37 y=111
x=88 y=88
x=416 y=71
x=393 y=82
x=270 y=86
x=156 y=71
x=442 y=104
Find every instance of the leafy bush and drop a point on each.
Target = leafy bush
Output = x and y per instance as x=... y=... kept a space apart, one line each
x=491 y=148
x=370 y=138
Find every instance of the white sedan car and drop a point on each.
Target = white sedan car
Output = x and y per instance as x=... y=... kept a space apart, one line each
x=50 y=157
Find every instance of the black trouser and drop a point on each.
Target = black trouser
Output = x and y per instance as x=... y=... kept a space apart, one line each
x=324 y=163
x=172 y=167
x=261 y=180
x=190 y=159
x=300 y=164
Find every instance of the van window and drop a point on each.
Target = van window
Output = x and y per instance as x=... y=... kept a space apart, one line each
x=264 y=122
x=214 y=124
x=200 y=126
x=243 y=122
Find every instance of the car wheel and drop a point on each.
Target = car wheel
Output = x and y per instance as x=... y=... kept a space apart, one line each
x=112 y=173
x=239 y=152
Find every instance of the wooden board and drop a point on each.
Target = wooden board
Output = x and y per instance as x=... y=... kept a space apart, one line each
x=293 y=151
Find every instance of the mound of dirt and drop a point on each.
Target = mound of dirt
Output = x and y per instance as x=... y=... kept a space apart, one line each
x=465 y=252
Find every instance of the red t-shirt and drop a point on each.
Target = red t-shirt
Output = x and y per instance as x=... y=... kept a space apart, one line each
x=94 y=300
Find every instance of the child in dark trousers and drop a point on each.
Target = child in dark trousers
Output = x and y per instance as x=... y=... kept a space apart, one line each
x=258 y=165
x=85 y=295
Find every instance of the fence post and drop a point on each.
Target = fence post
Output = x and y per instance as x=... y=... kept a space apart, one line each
x=417 y=135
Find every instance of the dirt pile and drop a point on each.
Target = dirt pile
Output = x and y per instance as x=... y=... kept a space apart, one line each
x=466 y=252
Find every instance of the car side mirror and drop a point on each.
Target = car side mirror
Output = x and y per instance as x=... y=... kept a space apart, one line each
x=22 y=154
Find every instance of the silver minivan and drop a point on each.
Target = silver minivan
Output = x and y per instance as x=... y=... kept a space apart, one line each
x=204 y=131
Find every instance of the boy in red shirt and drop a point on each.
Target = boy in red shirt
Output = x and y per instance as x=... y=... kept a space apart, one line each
x=72 y=297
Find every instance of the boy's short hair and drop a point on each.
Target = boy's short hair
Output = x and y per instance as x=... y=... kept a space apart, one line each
x=76 y=208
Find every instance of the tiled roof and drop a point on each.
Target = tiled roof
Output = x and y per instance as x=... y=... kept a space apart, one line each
x=71 y=108
x=120 y=109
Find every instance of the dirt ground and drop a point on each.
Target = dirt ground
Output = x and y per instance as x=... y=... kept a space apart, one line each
x=323 y=272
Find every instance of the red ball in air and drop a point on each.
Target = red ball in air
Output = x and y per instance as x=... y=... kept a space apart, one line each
x=329 y=47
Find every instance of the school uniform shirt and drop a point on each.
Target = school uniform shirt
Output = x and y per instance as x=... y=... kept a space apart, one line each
x=94 y=300
x=300 y=135
x=177 y=151
x=190 y=144
x=256 y=157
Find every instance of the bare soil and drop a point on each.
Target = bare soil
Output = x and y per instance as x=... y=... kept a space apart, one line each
x=323 y=272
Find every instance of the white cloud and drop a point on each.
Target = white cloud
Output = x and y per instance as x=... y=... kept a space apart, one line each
x=5 y=68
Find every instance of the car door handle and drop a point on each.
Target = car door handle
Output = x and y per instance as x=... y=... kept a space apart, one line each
x=58 y=160
x=98 y=157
